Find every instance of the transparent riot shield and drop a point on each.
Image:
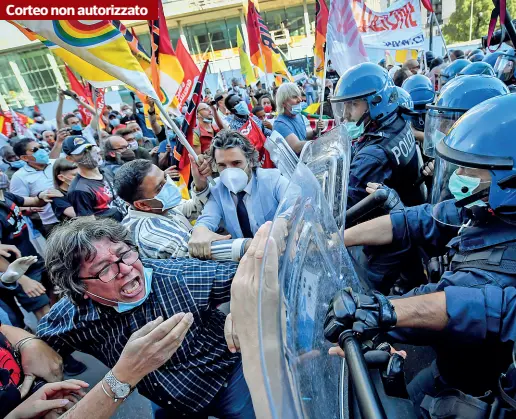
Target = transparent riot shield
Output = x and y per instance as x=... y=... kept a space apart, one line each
x=329 y=158
x=281 y=154
x=302 y=380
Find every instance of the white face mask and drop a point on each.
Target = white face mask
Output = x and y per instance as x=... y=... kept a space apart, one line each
x=234 y=178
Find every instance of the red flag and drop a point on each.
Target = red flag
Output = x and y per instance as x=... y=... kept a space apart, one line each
x=191 y=73
x=428 y=5
x=166 y=70
x=253 y=33
x=180 y=158
x=78 y=88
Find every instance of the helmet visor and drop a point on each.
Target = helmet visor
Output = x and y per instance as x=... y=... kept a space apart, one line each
x=455 y=188
x=349 y=110
x=504 y=68
x=437 y=124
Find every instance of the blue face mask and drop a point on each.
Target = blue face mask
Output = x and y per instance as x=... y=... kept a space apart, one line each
x=115 y=122
x=463 y=186
x=303 y=105
x=296 y=109
x=76 y=127
x=169 y=196
x=123 y=307
x=41 y=156
x=355 y=131
x=138 y=135
x=18 y=164
x=242 y=109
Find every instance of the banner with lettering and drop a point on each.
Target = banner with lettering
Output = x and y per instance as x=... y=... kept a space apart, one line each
x=397 y=28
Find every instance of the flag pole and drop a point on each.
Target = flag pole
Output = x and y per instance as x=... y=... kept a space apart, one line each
x=441 y=33
x=97 y=116
x=323 y=86
x=180 y=136
x=269 y=85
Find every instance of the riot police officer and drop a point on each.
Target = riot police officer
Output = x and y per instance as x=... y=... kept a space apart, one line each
x=384 y=150
x=474 y=215
x=459 y=95
x=420 y=88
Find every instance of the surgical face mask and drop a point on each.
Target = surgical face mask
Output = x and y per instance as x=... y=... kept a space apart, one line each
x=76 y=127
x=234 y=178
x=295 y=109
x=127 y=112
x=303 y=105
x=208 y=120
x=139 y=107
x=18 y=164
x=133 y=145
x=267 y=108
x=38 y=119
x=91 y=159
x=355 y=131
x=41 y=156
x=122 y=307
x=241 y=108
x=138 y=135
x=169 y=195
x=115 y=122
x=463 y=186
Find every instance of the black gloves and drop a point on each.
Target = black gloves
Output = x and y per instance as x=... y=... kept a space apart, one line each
x=363 y=314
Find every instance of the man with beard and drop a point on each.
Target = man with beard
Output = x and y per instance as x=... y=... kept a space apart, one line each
x=116 y=153
x=91 y=192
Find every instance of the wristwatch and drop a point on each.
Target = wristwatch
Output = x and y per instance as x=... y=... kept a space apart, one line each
x=119 y=389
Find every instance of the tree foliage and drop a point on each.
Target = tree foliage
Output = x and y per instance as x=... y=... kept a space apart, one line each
x=457 y=28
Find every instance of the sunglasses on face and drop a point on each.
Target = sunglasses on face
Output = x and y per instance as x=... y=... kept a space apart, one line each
x=33 y=150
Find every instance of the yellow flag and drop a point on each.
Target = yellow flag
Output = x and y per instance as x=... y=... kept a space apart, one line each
x=403 y=55
x=245 y=64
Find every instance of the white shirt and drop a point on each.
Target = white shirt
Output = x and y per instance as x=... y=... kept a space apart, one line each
x=28 y=181
x=248 y=189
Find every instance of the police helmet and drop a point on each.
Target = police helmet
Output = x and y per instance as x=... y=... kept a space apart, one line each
x=476 y=162
x=477 y=68
x=491 y=58
x=404 y=98
x=420 y=90
x=475 y=52
x=368 y=82
x=452 y=70
x=475 y=58
x=458 y=96
x=504 y=66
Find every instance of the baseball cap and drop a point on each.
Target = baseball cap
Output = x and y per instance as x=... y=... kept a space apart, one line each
x=75 y=144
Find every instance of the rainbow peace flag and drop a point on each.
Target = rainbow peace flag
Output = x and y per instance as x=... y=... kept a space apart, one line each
x=99 y=43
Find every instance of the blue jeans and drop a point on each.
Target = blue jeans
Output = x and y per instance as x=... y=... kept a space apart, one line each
x=233 y=401
x=310 y=98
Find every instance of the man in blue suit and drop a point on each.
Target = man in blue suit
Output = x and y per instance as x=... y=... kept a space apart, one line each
x=244 y=197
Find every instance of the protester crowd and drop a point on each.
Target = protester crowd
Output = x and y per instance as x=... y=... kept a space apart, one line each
x=120 y=257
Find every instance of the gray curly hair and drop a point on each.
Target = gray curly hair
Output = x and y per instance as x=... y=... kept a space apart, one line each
x=228 y=138
x=71 y=244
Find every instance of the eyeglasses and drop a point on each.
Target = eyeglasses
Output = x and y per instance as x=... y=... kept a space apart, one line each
x=110 y=272
x=123 y=148
x=33 y=150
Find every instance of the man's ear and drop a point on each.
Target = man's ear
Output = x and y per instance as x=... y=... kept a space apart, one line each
x=26 y=158
x=70 y=158
x=142 y=206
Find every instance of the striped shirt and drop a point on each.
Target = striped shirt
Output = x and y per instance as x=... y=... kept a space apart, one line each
x=192 y=377
x=165 y=236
